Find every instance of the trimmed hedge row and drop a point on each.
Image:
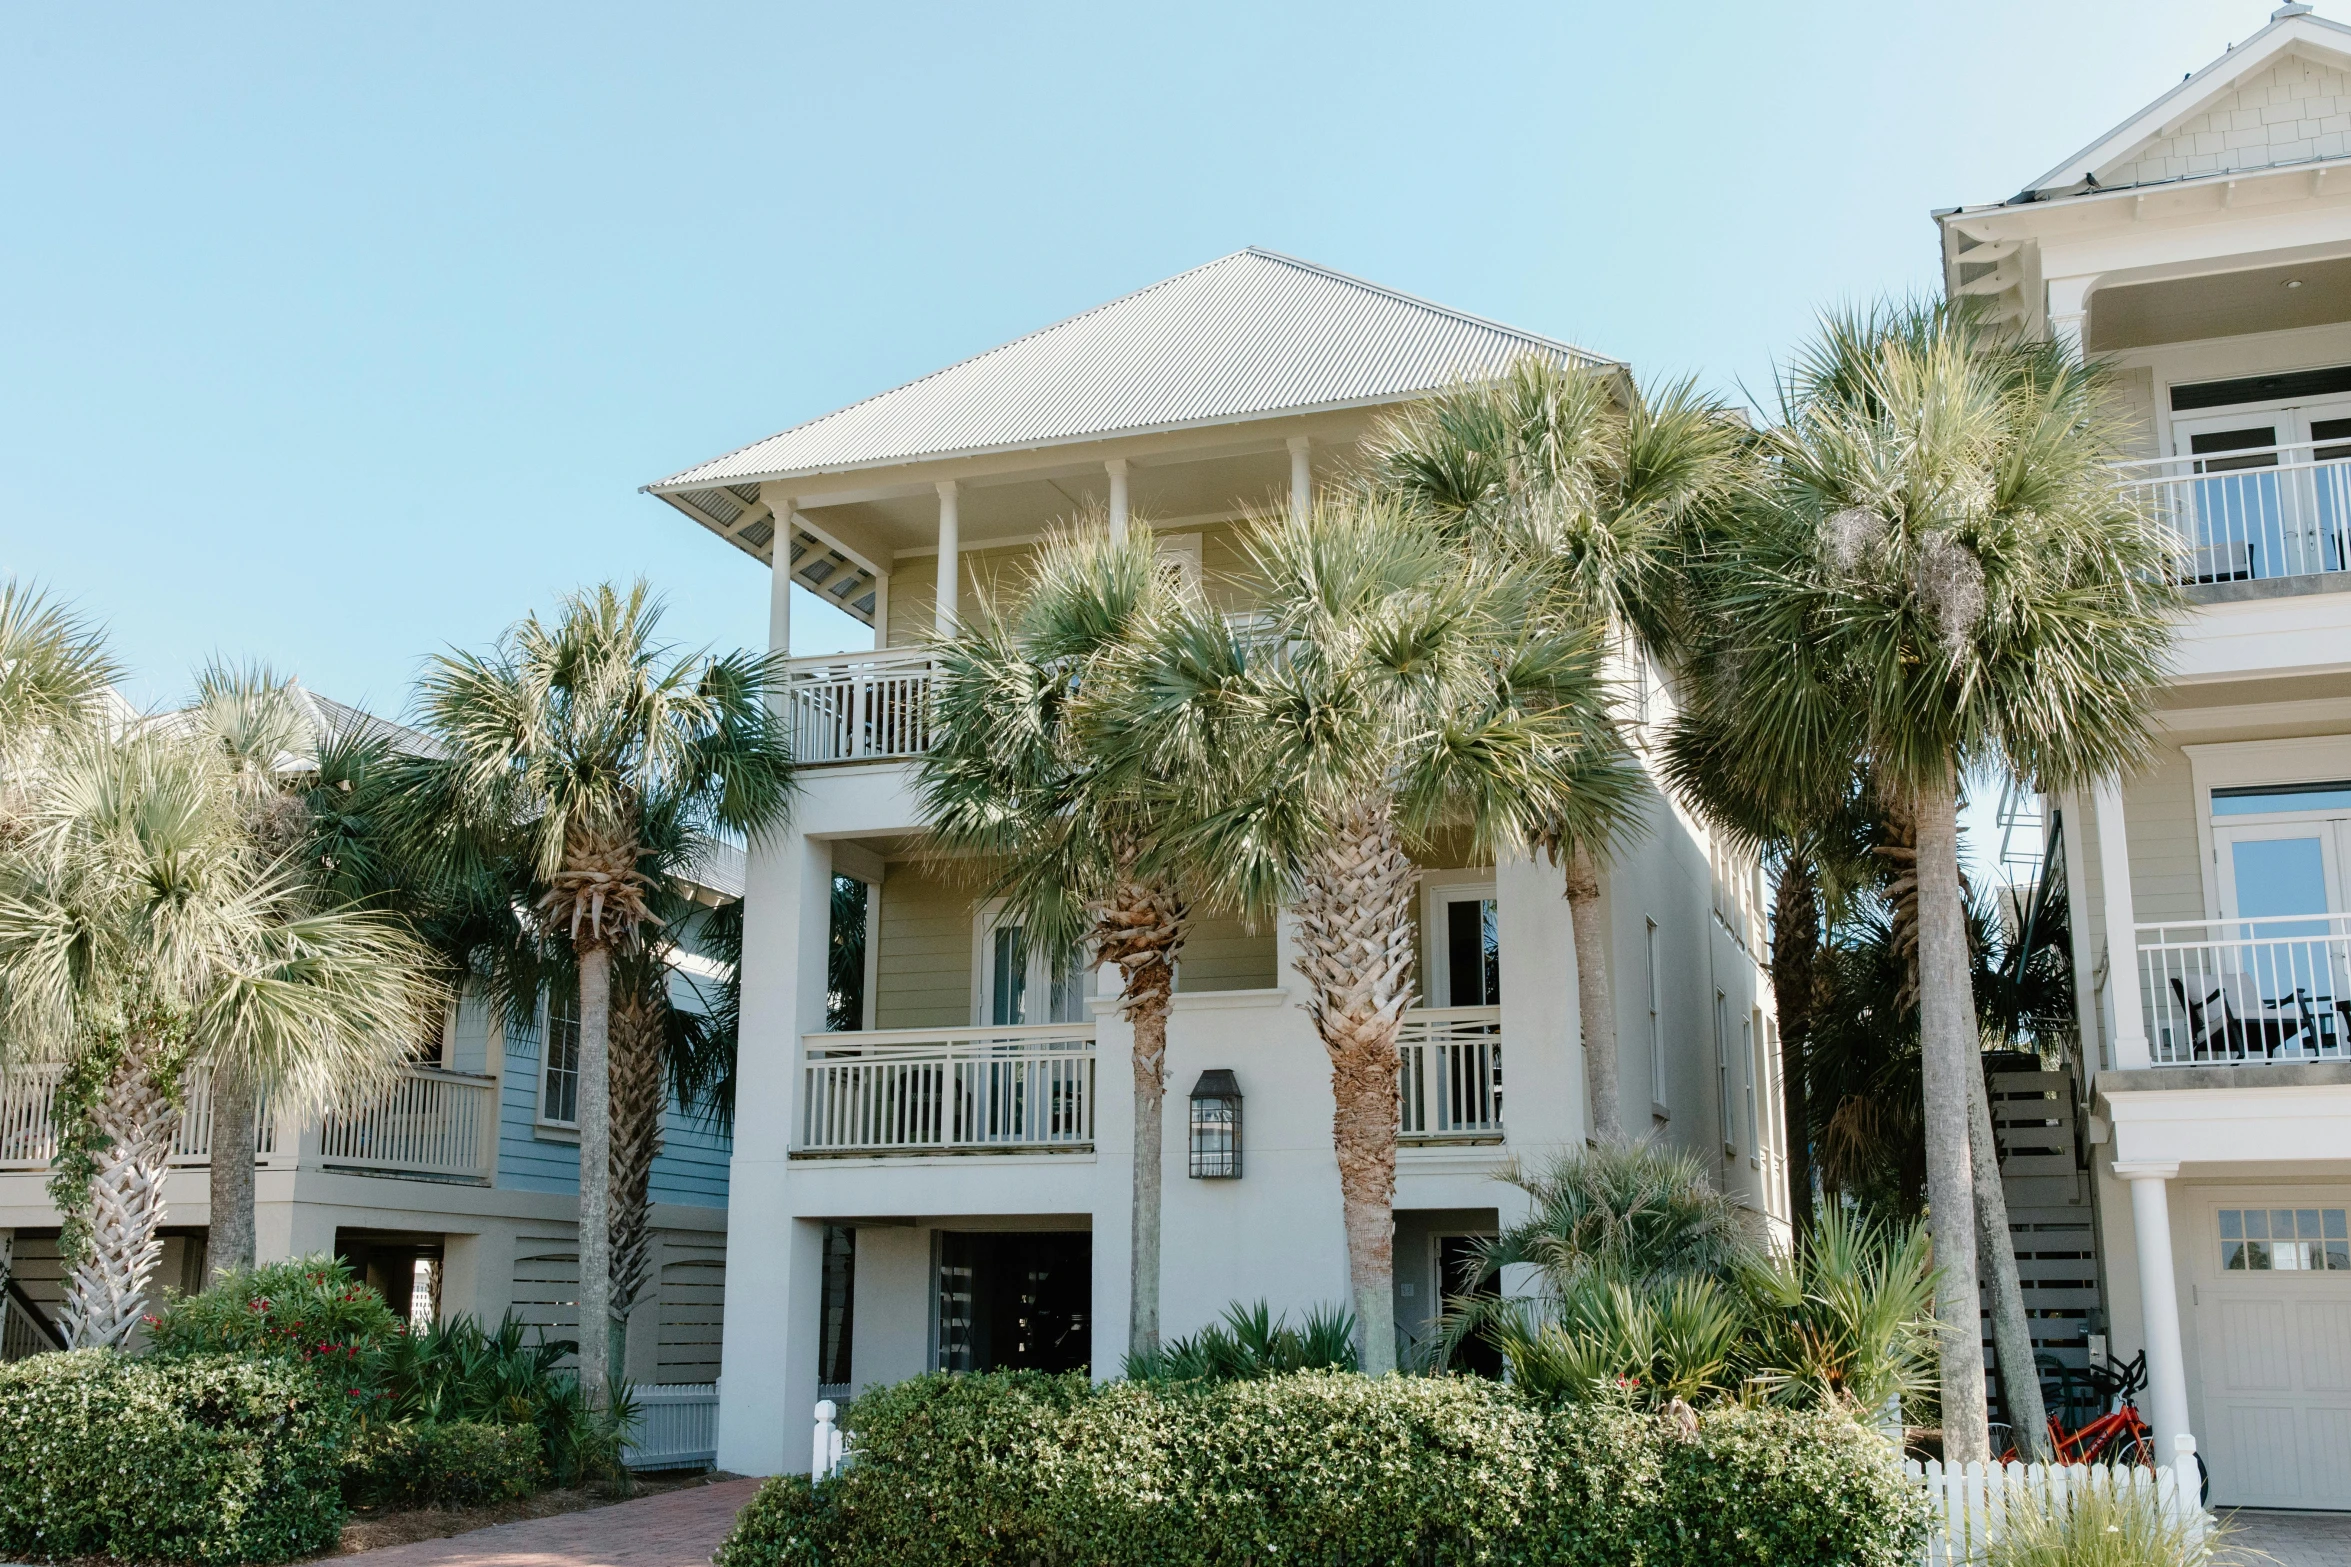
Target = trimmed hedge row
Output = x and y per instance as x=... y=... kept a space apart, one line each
x=1325 y=1468
x=210 y=1459
x=456 y=1463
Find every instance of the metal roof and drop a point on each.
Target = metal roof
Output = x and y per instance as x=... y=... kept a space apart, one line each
x=1248 y=335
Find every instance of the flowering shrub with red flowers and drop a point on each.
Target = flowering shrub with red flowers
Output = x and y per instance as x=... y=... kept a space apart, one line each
x=310 y=1310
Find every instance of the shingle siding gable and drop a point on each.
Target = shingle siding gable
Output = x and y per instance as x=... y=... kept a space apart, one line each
x=2295 y=111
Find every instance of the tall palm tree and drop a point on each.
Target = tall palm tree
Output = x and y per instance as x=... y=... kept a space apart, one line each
x=139 y=933
x=56 y=676
x=566 y=740
x=1572 y=474
x=1033 y=772
x=1389 y=691
x=1937 y=574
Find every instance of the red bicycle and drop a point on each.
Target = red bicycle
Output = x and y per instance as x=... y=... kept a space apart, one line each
x=2119 y=1436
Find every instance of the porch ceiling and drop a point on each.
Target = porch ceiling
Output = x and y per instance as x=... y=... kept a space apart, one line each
x=2227 y=304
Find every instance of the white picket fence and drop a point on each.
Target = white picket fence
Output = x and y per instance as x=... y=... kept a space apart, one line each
x=677 y=1427
x=1972 y=1503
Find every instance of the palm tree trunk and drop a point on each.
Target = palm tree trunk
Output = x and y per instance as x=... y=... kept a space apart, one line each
x=228 y=1244
x=2012 y=1334
x=1795 y=954
x=1948 y=1058
x=1594 y=1008
x=106 y=1292
x=639 y=1018
x=1141 y=929
x=595 y=1112
x=1354 y=915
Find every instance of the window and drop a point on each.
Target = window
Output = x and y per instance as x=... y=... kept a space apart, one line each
x=2284 y=1240
x=1656 y=1025
x=559 y=1081
x=1021 y=984
x=1722 y=1071
x=1465 y=941
x=838 y=1292
x=1747 y=1055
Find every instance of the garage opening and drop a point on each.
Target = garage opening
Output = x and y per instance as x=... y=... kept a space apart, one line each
x=1015 y=1300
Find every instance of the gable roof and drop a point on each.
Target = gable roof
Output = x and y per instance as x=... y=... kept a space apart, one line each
x=2280 y=97
x=1251 y=334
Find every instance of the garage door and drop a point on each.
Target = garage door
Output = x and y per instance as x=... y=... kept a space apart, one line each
x=2273 y=1322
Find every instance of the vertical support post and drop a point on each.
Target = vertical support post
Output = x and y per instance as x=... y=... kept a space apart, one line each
x=1301 y=476
x=2159 y=1301
x=779 y=591
x=2122 y=936
x=1118 y=497
x=2069 y=309
x=950 y=573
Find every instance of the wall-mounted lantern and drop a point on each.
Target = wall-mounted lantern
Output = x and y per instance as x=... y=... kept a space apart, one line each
x=1216 y=1126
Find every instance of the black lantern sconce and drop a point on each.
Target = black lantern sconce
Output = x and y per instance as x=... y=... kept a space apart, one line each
x=1216 y=1127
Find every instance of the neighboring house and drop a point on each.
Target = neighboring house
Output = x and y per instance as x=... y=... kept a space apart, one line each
x=2203 y=247
x=457 y=1192
x=945 y=1183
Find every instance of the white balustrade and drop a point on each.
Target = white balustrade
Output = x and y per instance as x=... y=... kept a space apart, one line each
x=943 y=1090
x=429 y=1122
x=856 y=707
x=1450 y=1075
x=2230 y=991
x=2250 y=514
x=28 y=1130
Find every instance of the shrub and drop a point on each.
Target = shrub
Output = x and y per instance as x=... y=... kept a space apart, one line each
x=458 y=1371
x=462 y=1463
x=310 y=1311
x=199 y=1459
x=2103 y=1529
x=1253 y=1342
x=1329 y=1468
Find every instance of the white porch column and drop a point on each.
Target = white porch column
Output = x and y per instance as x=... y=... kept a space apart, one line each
x=2122 y=937
x=950 y=573
x=1301 y=476
x=779 y=592
x=2159 y=1303
x=2069 y=309
x=1118 y=496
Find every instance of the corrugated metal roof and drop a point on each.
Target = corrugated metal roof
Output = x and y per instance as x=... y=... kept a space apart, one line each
x=1253 y=333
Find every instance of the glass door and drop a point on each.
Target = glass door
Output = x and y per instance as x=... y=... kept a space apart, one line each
x=2280 y=986
x=2271 y=493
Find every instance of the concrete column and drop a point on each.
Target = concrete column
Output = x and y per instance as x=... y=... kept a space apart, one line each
x=949 y=571
x=779 y=591
x=2159 y=1303
x=2069 y=309
x=1118 y=496
x=2122 y=939
x=1301 y=476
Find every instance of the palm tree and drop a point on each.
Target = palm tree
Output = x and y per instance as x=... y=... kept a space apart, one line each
x=566 y=741
x=1033 y=772
x=55 y=678
x=1938 y=575
x=1573 y=474
x=139 y=933
x=1389 y=691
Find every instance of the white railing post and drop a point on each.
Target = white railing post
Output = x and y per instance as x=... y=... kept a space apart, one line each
x=825 y=1452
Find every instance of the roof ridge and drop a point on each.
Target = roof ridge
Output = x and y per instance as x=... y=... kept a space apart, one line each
x=1400 y=296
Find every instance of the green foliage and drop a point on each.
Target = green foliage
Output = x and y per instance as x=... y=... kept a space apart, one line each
x=457 y=1371
x=310 y=1310
x=459 y=1463
x=1253 y=1342
x=1848 y=1320
x=1324 y=1468
x=2105 y=1529
x=202 y=1459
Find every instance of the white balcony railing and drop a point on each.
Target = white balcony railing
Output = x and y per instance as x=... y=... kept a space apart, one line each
x=857 y=707
x=1450 y=1075
x=2261 y=512
x=2228 y=991
x=948 y=1090
x=429 y=1122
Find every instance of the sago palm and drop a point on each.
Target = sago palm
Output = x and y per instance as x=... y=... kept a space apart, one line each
x=139 y=933
x=1032 y=771
x=566 y=741
x=1938 y=576
x=1389 y=691
x=1592 y=486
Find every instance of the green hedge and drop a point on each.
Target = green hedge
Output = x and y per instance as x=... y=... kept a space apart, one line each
x=1327 y=1469
x=456 y=1463
x=206 y=1459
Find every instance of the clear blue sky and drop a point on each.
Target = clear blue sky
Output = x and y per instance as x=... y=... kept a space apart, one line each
x=336 y=335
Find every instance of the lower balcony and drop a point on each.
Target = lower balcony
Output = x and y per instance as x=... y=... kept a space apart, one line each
x=428 y=1122
x=1449 y=1075
x=2233 y=992
x=954 y=1090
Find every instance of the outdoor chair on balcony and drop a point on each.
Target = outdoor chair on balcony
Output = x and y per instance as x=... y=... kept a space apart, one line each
x=2243 y=1024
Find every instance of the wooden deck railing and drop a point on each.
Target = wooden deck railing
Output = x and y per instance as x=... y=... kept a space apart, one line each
x=998 y=1090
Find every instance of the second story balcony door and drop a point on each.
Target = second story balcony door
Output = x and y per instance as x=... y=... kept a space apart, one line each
x=1021 y=981
x=2269 y=491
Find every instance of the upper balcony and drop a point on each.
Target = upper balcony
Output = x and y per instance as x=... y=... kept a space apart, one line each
x=2253 y=514
x=2243 y=992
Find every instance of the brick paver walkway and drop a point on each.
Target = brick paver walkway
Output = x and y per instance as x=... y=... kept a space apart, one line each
x=2292 y=1539
x=674 y=1529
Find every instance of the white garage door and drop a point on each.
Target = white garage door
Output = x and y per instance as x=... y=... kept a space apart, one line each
x=2273 y=1324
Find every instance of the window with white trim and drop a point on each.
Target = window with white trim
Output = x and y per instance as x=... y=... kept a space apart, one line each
x=1656 y=1023
x=2284 y=1240
x=1722 y=1072
x=559 y=1063
x=1021 y=983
